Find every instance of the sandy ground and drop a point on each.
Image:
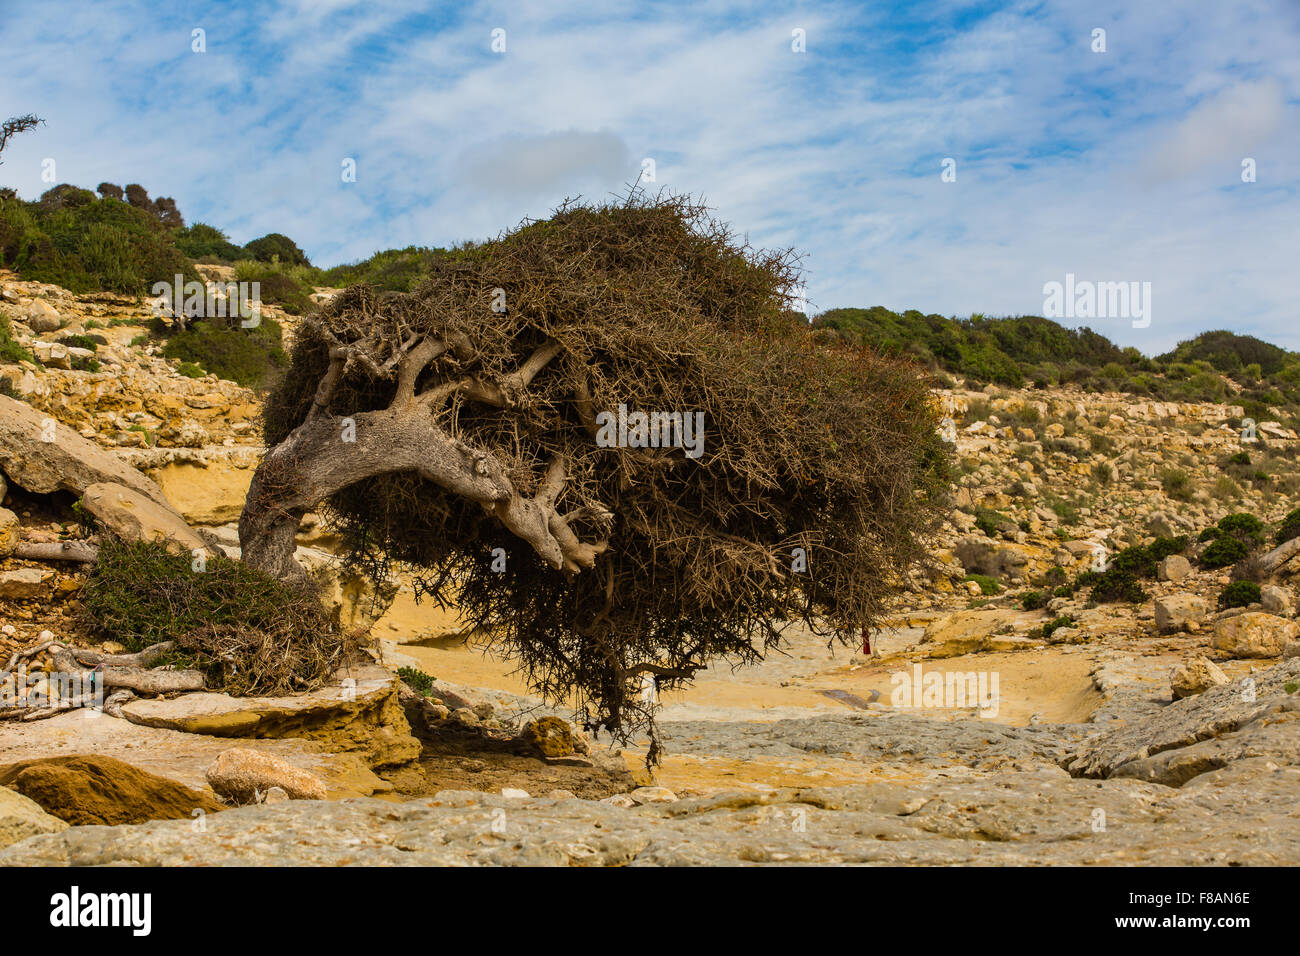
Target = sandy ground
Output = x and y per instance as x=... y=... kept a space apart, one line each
x=1047 y=685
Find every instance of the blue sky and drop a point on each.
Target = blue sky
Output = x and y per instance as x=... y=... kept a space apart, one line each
x=1115 y=166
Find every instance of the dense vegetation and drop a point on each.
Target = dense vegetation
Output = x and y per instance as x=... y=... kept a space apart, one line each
x=1028 y=350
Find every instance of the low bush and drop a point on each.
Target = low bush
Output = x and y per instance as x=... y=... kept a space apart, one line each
x=249 y=633
x=1239 y=594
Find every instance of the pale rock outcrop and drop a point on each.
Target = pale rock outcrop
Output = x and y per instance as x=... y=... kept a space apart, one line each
x=1253 y=634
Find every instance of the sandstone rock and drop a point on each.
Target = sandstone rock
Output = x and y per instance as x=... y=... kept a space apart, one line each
x=68 y=462
x=1159 y=525
x=1274 y=599
x=21 y=817
x=25 y=584
x=9 y=530
x=1174 y=568
x=363 y=717
x=1194 y=676
x=135 y=517
x=548 y=736
x=1175 y=612
x=242 y=775
x=89 y=790
x=1254 y=634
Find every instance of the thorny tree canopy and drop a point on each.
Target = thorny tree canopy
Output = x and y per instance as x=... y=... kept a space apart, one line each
x=474 y=430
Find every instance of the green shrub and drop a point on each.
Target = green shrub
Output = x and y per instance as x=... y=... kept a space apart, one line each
x=10 y=350
x=250 y=633
x=1223 y=551
x=1289 y=528
x=279 y=248
x=190 y=370
x=1161 y=548
x=1034 y=600
x=86 y=244
x=416 y=679
x=201 y=241
x=1246 y=528
x=1055 y=624
x=1239 y=594
x=987 y=584
x=252 y=357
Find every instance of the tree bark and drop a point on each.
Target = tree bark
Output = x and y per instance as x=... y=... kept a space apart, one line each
x=327 y=453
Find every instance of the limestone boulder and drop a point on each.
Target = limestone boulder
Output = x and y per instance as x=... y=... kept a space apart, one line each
x=244 y=776
x=43 y=455
x=1195 y=676
x=1179 y=612
x=1254 y=635
x=92 y=790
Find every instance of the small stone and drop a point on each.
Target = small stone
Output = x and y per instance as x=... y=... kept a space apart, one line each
x=275 y=795
x=514 y=793
x=561 y=795
x=653 y=795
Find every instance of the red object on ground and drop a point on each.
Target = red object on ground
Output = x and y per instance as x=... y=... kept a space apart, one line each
x=866 y=642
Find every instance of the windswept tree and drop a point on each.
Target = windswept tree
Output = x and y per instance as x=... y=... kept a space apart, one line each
x=15 y=125
x=487 y=430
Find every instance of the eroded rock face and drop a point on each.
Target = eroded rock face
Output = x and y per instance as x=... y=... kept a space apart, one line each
x=1252 y=717
x=1254 y=634
x=90 y=790
x=43 y=455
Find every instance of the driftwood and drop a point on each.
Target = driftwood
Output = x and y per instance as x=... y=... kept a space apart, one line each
x=152 y=682
x=82 y=551
x=145 y=658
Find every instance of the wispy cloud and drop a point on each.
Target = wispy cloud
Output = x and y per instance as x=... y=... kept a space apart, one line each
x=1114 y=166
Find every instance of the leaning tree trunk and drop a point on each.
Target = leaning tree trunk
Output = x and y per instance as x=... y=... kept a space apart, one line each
x=328 y=452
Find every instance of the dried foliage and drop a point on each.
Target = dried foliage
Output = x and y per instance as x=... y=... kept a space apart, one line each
x=649 y=303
